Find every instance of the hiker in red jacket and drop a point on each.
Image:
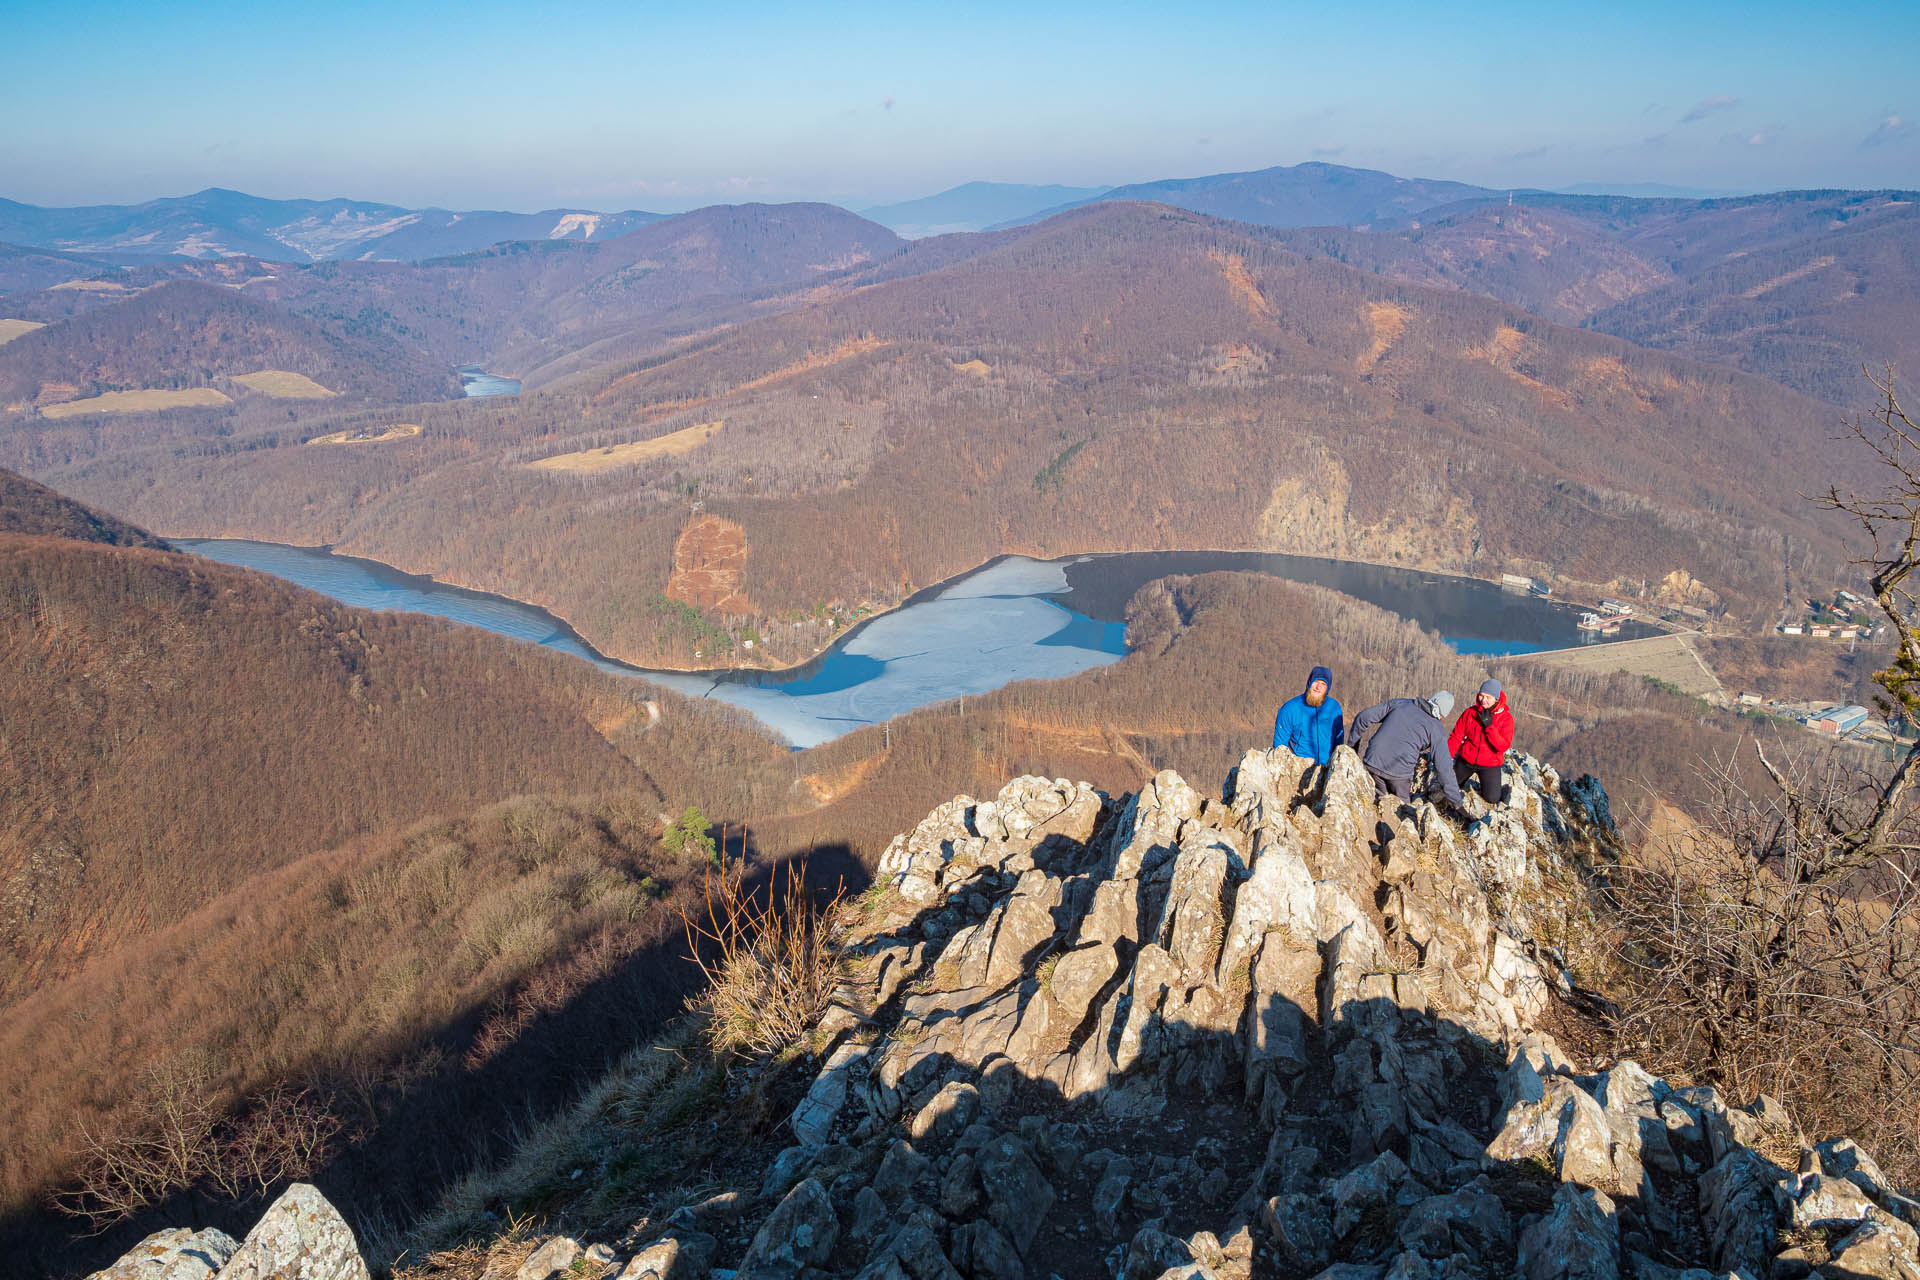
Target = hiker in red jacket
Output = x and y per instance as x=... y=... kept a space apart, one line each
x=1480 y=739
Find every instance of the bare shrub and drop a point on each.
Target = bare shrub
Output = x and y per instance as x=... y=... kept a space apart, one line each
x=1778 y=949
x=769 y=961
x=179 y=1136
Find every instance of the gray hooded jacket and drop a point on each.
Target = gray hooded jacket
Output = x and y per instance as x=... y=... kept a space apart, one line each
x=1408 y=730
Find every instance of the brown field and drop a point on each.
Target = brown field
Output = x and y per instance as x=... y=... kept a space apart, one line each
x=978 y=368
x=93 y=286
x=283 y=384
x=593 y=461
x=137 y=402
x=1667 y=658
x=367 y=435
x=11 y=329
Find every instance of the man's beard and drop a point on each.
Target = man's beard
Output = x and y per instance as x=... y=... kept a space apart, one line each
x=1315 y=699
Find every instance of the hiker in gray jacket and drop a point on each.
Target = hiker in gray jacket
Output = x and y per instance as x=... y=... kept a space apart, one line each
x=1409 y=728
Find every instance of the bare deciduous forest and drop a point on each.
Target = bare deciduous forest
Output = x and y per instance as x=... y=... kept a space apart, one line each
x=1122 y=378
x=273 y=861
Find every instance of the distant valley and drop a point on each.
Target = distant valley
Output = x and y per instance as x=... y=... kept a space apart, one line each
x=737 y=423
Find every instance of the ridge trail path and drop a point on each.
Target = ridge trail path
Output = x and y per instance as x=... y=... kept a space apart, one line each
x=1670 y=658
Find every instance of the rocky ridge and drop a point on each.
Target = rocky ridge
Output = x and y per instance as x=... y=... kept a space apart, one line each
x=1292 y=1031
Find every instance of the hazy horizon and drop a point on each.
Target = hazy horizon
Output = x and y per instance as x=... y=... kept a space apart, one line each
x=494 y=107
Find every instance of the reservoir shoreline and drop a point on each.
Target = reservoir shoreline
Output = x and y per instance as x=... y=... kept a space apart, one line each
x=1010 y=618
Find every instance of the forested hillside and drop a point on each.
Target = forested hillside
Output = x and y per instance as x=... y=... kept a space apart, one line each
x=185 y=334
x=32 y=509
x=1803 y=287
x=1125 y=377
x=371 y=879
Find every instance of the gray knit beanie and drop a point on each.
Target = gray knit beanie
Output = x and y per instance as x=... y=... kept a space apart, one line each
x=1442 y=703
x=1492 y=687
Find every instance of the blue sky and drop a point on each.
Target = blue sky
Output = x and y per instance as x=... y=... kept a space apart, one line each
x=666 y=107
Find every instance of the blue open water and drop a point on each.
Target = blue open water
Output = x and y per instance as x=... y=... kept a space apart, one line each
x=1012 y=619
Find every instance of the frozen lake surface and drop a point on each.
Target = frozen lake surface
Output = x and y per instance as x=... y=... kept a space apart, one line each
x=1012 y=619
x=475 y=381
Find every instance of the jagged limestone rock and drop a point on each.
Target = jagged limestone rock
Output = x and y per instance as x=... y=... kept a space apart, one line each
x=1301 y=1227
x=899 y=1169
x=916 y=1246
x=300 y=1237
x=1578 y=1239
x=1471 y=1222
x=173 y=1254
x=1883 y=1247
x=812 y=1121
x=1308 y=1012
x=799 y=1234
x=981 y=1252
x=1566 y=1131
x=1740 y=1209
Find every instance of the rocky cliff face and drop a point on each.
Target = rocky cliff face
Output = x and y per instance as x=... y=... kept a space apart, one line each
x=1290 y=1031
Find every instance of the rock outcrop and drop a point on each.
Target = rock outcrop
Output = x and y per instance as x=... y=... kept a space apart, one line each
x=300 y=1237
x=1291 y=1031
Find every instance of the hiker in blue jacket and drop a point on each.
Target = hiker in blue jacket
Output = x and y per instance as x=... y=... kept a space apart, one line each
x=1409 y=728
x=1311 y=725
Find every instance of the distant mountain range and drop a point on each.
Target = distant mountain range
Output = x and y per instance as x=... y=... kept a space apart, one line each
x=975 y=206
x=1301 y=195
x=218 y=223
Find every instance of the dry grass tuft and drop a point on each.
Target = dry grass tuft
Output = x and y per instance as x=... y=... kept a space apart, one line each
x=769 y=962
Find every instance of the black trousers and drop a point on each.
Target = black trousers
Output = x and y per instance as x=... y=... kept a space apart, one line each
x=1399 y=788
x=1488 y=774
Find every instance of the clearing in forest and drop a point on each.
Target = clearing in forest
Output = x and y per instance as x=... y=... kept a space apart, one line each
x=370 y=435
x=137 y=402
x=1668 y=658
x=1386 y=321
x=283 y=384
x=11 y=329
x=710 y=566
x=589 y=461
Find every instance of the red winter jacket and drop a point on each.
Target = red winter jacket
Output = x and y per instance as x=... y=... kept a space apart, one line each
x=1482 y=744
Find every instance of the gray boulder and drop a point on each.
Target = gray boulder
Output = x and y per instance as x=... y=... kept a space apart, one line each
x=173 y=1254
x=300 y=1237
x=556 y=1257
x=799 y=1234
x=683 y=1255
x=951 y=1110
x=1883 y=1248
x=1018 y=1194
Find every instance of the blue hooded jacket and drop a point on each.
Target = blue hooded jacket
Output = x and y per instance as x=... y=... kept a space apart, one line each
x=1311 y=732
